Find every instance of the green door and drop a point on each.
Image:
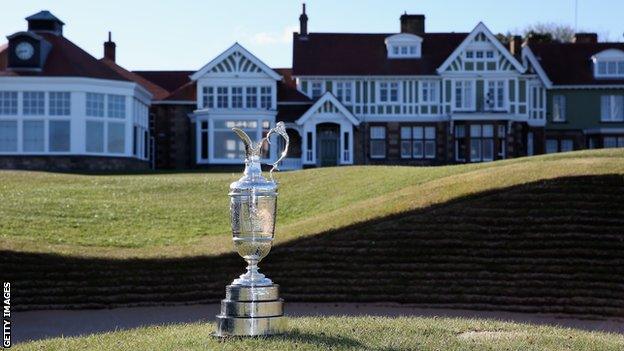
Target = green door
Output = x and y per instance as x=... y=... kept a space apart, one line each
x=328 y=144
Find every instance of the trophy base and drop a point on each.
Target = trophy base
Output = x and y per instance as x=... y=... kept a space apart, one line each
x=251 y=311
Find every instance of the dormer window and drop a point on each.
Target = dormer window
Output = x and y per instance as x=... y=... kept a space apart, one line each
x=609 y=64
x=404 y=45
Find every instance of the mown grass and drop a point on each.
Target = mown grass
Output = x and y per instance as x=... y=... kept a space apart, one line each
x=187 y=214
x=356 y=333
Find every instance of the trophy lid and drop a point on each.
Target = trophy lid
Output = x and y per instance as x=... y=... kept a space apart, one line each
x=252 y=180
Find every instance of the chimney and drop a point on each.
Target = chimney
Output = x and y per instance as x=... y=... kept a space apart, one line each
x=587 y=38
x=109 y=48
x=303 y=22
x=515 y=45
x=414 y=24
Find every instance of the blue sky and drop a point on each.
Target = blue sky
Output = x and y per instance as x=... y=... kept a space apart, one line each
x=186 y=34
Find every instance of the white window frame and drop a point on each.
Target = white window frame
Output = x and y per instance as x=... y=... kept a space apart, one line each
x=612 y=112
x=559 y=108
x=499 y=96
x=9 y=102
x=388 y=87
x=430 y=89
x=314 y=87
x=468 y=100
x=343 y=91
x=59 y=103
x=375 y=134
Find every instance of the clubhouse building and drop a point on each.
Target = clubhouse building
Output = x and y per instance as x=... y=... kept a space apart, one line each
x=410 y=98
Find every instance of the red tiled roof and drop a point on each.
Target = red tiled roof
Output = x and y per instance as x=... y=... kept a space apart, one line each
x=169 y=80
x=287 y=88
x=570 y=63
x=365 y=54
x=158 y=93
x=291 y=113
x=64 y=60
x=187 y=92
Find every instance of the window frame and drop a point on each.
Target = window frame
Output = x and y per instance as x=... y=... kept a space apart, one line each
x=377 y=139
x=559 y=108
x=612 y=108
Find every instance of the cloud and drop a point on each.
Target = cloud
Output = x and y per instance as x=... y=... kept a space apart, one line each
x=269 y=38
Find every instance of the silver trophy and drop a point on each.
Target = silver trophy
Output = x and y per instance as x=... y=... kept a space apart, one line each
x=252 y=306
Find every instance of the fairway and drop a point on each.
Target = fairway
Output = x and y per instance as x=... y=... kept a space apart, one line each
x=355 y=333
x=164 y=214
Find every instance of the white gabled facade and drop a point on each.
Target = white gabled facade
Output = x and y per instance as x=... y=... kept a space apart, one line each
x=235 y=89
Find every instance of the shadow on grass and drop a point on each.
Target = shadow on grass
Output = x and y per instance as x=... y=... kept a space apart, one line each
x=552 y=246
x=320 y=340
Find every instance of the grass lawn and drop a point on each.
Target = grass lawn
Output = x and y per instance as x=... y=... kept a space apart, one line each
x=346 y=333
x=176 y=215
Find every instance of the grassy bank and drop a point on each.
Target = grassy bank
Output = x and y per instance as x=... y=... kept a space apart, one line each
x=179 y=215
x=343 y=333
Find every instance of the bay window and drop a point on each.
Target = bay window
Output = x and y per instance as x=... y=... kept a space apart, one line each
x=378 y=142
x=464 y=95
x=225 y=144
x=481 y=142
x=59 y=103
x=59 y=136
x=33 y=136
x=8 y=136
x=8 y=103
x=559 y=108
x=33 y=103
x=418 y=142
x=612 y=108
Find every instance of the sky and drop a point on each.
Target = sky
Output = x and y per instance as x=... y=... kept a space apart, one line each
x=187 y=34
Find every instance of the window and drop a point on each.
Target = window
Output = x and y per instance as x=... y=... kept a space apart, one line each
x=8 y=136
x=567 y=145
x=265 y=98
x=8 y=103
x=116 y=106
x=95 y=136
x=208 y=97
x=418 y=142
x=530 y=148
x=33 y=136
x=481 y=142
x=463 y=95
x=501 y=141
x=495 y=95
x=343 y=91
x=237 y=97
x=470 y=54
x=227 y=145
x=33 y=103
x=309 y=148
x=116 y=138
x=612 y=108
x=378 y=142
x=58 y=138
x=95 y=105
x=613 y=68
x=552 y=146
x=460 y=143
x=613 y=141
x=559 y=111
x=429 y=91
x=59 y=103
x=388 y=92
x=252 y=97
x=402 y=48
x=317 y=89
x=222 y=97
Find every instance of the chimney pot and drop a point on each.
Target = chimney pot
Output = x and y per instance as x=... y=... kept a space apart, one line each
x=109 y=48
x=303 y=22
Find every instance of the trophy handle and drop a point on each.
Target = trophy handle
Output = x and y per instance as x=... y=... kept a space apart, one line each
x=280 y=129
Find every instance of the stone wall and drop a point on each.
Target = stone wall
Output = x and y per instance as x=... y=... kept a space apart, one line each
x=74 y=163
